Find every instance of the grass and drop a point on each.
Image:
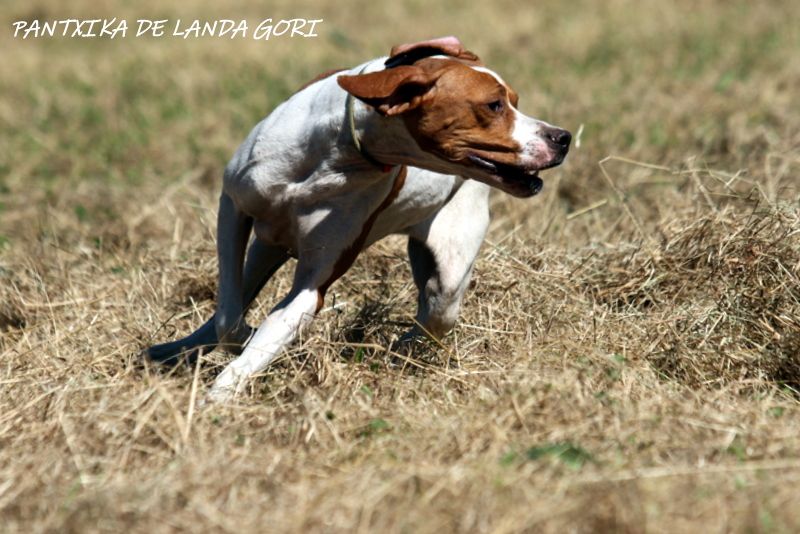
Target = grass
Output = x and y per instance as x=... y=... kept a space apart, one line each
x=627 y=359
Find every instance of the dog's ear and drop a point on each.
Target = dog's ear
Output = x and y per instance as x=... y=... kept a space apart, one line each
x=407 y=54
x=391 y=91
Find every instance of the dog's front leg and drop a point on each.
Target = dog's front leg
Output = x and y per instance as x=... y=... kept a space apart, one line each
x=328 y=246
x=442 y=259
x=279 y=329
x=315 y=272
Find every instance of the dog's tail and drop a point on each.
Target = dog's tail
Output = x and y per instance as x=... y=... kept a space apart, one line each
x=186 y=349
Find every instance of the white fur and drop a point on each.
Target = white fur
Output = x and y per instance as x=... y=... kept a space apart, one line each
x=308 y=192
x=535 y=151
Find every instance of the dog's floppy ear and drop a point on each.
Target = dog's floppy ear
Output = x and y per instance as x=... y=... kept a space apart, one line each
x=391 y=91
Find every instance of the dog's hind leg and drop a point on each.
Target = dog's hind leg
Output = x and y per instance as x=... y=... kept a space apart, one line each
x=262 y=262
x=233 y=231
x=317 y=268
x=186 y=349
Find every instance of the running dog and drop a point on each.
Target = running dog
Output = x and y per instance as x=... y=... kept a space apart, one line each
x=410 y=144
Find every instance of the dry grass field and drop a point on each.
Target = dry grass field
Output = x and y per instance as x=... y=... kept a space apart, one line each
x=628 y=359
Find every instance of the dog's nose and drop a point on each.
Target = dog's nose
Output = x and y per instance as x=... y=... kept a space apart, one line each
x=559 y=138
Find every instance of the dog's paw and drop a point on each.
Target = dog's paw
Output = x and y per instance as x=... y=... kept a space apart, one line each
x=169 y=354
x=228 y=386
x=217 y=396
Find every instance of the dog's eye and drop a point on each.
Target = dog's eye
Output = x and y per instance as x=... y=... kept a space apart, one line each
x=496 y=106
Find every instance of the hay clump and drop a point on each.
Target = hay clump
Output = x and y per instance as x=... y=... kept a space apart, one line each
x=722 y=292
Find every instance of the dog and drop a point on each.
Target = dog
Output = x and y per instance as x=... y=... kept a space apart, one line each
x=405 y=144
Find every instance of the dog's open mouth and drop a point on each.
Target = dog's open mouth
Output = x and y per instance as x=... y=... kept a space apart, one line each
x=522 y=180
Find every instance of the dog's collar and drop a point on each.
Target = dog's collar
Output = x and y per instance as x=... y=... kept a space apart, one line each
x=349 y=110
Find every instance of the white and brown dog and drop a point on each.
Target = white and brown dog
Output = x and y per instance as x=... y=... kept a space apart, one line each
x=408 y=144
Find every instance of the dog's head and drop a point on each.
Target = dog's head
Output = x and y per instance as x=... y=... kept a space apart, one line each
x=463 y=114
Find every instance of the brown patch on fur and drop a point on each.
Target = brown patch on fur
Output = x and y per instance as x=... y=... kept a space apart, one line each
x=459 y=120
x=350 y=254
x=391 y=91
x=447 y=107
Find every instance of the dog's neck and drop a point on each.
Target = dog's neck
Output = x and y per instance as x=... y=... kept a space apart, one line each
x=355 y=138
x=388 y=141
